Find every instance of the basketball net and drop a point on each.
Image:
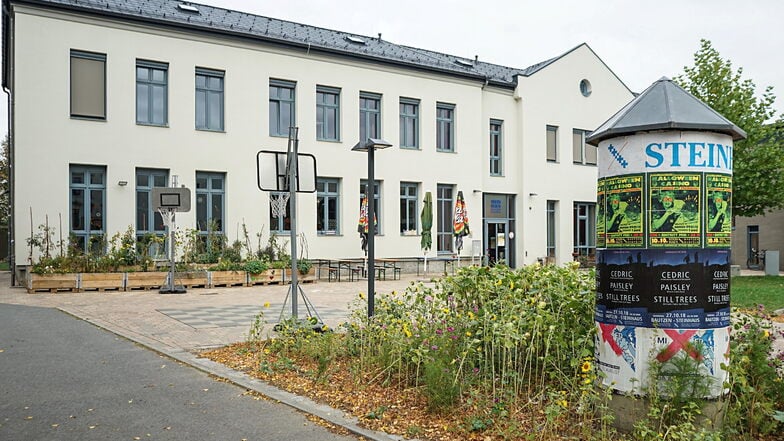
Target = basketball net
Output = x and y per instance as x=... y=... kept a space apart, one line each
x=278 y=201
x=167 y=214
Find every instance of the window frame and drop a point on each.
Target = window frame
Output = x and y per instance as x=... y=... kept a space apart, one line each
x=276 y=103
x=445 y=217
x=366 y=114
x=86 y=235
x=323 y=197
x=554 y=147
x=584 y=241
x=581 y=148
x=280 y=225
x=445 y=128
x=76 y=54
x=409 y=215
x=209 y=192
x=413 y=118
x=208 y=91
x=149 y=84
x=376 y=199
x=552 y=219
x=322 y=107
x=496 y=147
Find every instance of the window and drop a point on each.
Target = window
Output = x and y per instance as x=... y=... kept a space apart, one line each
x=283 y=223
x=209 y=99
x=552 y=143
x=88 y=85
x=369 y=116
x=327 y=205
x=445 y=127
x=409 y=123
x=88 y=207
x=409 y=209
x=281 y=107
x=584 y=228
x=582 y=153
x=444 y=205
x=210 y=195
x=327 y=113
x=151 y=93
x=148 y=220
x=376 y=200
x=551 y=229
x=496 y=147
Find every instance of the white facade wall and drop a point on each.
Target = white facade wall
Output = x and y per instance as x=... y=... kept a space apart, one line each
x=47 y=139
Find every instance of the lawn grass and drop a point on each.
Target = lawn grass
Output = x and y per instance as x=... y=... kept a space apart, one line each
x=750 y=291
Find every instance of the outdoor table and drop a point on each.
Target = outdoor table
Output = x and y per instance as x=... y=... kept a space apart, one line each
x=447 y=260
x=390 y=264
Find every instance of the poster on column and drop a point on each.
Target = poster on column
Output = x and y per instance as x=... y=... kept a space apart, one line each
x=621 y=288
x=718 y=230
x=623 y=218
x=710 y=347
x=600 y=214
x=717 y=288
x=674 y=210
x=619 y=351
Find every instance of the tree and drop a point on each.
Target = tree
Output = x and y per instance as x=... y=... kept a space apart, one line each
x=758 y=161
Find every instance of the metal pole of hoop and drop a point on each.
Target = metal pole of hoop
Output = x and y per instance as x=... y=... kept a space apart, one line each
x=291 y=177
x=168 y=215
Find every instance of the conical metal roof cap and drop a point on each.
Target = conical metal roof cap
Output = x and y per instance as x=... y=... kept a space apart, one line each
x=664 y=106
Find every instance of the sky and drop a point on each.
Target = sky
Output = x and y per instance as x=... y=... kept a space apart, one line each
x=639 y=41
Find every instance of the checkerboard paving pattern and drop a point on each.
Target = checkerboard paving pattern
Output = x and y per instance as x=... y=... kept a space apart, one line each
x=238 y=315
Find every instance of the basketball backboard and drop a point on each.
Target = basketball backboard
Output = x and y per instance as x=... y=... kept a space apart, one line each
x=271 y=171
x=177 y=199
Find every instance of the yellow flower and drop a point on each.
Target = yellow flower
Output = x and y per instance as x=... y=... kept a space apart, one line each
x=766 y=333
x=499 y=282
x=266 y=304
x=586 y=366
x=468 y=334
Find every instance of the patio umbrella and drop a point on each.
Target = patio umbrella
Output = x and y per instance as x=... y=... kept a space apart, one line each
x=427 y=223
x=460 y=224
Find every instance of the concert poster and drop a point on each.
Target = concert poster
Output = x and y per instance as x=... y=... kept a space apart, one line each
x=600 y=214
x=718 y=219
x=674 y=219
x=624 y=211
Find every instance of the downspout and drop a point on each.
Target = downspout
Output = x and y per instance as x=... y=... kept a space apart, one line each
x=8 y=78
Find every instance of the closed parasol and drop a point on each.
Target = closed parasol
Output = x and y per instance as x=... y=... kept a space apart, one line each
x=460 y=223
x=427 y=224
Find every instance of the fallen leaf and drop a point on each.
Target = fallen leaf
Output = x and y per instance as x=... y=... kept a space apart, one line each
x=2 y=350
x=92 y=427
x=28 y=418
x=55 y=425
x=205 y=390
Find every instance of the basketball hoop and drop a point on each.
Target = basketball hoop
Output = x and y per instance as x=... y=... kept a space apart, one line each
x=278 y=201
x=168 y=216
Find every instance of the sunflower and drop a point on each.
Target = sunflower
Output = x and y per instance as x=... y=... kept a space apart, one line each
x=586 y=366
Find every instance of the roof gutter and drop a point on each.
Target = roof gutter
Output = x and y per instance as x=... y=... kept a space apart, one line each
x=7 y=80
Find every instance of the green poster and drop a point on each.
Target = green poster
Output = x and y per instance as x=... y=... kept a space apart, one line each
x=718 y=219
x=600 y=210
x=623 y=213
x=674 y=210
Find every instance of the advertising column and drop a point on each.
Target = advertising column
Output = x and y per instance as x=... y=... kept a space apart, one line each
x=663 y=272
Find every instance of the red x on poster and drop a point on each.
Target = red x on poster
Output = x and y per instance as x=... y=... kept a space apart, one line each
x=680 y=341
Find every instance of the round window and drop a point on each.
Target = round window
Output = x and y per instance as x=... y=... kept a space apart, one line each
x=585 y=87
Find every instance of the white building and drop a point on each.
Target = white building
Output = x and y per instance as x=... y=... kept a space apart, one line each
x=112 y=97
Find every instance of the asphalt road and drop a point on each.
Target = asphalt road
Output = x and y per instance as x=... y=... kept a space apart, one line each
x=63 y=379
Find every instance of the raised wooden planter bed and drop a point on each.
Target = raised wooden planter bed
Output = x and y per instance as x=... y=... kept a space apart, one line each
x=309 y=277
x=192 y=279
x=271 y=276
x=145 y=280
x=102 y=281
x=227 y=278
x=52 y=282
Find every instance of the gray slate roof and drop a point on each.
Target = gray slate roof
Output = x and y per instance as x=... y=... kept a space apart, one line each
x=309 y=38
x=664 y=105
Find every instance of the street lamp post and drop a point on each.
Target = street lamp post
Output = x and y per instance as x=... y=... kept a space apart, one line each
x=370 y=146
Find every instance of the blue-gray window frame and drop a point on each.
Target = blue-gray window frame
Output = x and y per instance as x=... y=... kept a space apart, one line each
x=277 y=102
x=445 y=127
x=209 y=192
x=368 y=114
x=86 y=234
x=145 y=88
x=409 y=207
x=144 y=190
x=551 y=228
x=584 y=238
x=322 y=108
x=325 y=196
x=210 y=92
x=445 y=202
x=409 y=116
x=94 y=56
x=496 y=147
